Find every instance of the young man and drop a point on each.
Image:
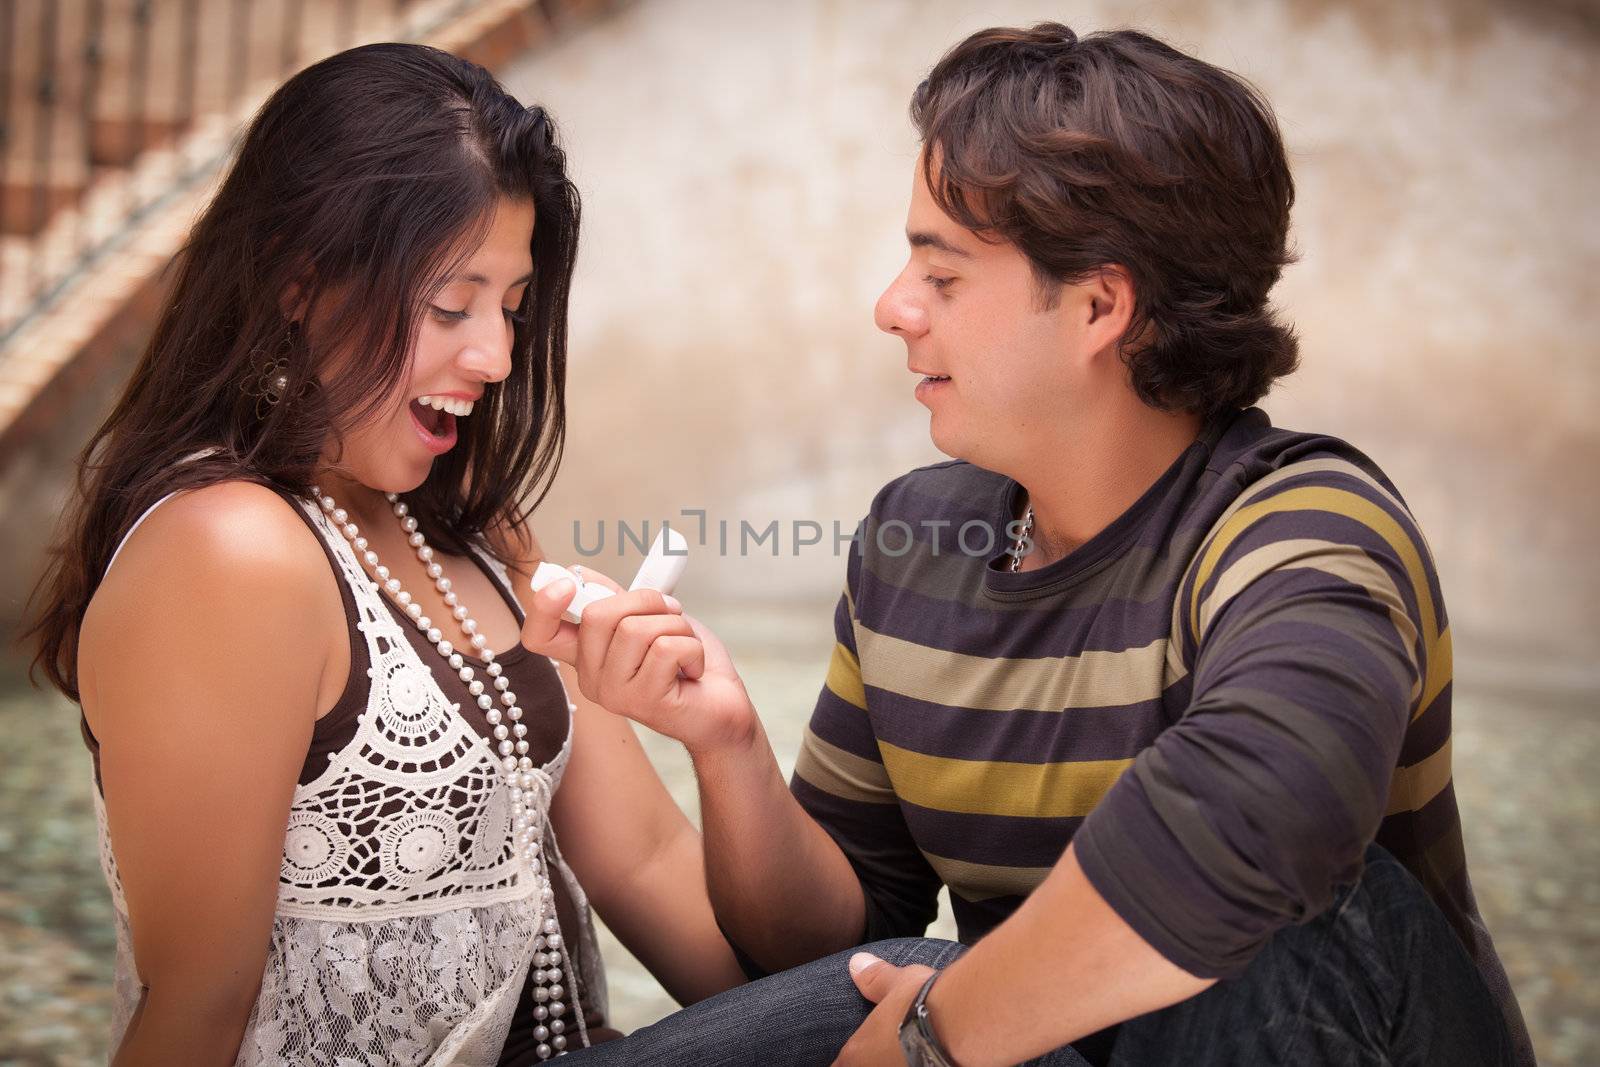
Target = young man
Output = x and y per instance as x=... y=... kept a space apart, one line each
x=1149 y=744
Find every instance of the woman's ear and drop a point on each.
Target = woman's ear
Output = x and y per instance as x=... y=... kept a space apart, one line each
x=292 y=304
x=292 y=301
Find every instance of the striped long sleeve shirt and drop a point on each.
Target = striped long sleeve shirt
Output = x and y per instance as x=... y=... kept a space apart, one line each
x=1222 y=697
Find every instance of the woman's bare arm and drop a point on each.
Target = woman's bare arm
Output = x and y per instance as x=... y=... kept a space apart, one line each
x=202 y=655
x=638 y=857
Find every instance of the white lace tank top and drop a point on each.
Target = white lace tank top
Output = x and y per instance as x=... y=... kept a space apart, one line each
x=405 y=922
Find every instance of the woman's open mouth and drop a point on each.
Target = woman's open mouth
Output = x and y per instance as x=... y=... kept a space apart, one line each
x=435 y=422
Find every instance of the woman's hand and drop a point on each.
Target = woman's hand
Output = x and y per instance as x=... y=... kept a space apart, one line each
x=637 y=654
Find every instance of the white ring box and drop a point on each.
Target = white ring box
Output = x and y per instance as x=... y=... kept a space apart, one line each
x=661 y=569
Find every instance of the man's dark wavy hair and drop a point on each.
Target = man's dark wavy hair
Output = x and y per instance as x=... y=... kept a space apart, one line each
x=1119 y=149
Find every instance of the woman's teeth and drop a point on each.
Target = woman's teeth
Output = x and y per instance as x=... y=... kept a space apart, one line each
x=454 y=406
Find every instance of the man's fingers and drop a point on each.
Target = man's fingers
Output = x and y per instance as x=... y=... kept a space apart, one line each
x=544 y=630
x=600 y=621
x=695 y=668
x=872 y=976
x=631 y=643
x=658 y=675
x=891 y=988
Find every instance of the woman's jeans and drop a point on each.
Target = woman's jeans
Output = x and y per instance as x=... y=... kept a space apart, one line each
x=1379 y=978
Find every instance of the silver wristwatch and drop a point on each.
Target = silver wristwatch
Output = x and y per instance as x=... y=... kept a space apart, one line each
x=917 y=1039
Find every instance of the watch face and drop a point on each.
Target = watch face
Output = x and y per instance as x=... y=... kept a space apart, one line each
x=919 y=1050
x=917 y=1040
x=915 y=1047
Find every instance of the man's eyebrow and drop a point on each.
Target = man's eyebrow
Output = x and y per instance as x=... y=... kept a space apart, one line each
x=921 y=239
x=478 y=279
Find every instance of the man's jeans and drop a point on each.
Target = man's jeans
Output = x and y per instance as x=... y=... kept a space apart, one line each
x=1379 y=978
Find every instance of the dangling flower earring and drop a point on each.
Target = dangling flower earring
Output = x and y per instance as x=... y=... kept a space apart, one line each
x=270 y=378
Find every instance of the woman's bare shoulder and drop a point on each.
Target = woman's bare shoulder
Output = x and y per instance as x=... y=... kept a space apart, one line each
x=217 y=530
x=218 y=569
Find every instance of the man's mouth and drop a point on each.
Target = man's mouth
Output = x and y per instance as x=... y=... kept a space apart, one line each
x=928 y=387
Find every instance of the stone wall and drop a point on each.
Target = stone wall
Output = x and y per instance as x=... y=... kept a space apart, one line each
x=746 y=169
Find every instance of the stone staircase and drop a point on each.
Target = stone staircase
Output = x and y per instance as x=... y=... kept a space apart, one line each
x=117 y=117
x=102 y=179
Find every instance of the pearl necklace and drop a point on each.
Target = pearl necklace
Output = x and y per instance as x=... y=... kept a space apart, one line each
x=510 y=742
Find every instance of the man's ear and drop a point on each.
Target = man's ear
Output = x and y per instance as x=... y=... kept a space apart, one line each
x=1109 y=306
x=1111 y=294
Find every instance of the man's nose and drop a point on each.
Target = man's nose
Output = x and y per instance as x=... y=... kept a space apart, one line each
x=898 y=312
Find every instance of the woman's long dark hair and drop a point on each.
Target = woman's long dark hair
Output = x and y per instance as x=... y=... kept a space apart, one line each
x=364 y=180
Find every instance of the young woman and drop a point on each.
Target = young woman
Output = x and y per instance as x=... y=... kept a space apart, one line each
x=329 y=777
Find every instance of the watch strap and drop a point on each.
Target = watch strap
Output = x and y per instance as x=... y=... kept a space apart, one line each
x=917 y=1040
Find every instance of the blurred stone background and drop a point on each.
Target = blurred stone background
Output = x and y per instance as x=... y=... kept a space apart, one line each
x=745 y=168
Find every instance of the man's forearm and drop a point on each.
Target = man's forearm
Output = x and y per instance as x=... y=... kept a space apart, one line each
x=780 y=886
x=1061 y=967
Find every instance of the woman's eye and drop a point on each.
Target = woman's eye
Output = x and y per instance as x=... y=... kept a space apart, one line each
x=936 y=282
x=458 y=316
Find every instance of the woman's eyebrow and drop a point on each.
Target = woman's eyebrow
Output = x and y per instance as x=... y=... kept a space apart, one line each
x=478 y=279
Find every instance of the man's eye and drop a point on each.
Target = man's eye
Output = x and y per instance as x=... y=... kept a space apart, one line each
x=936 y=282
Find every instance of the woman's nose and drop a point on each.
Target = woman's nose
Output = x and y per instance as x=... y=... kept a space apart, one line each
x=488 y=359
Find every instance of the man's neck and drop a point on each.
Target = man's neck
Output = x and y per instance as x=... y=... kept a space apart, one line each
x=1079 y=484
